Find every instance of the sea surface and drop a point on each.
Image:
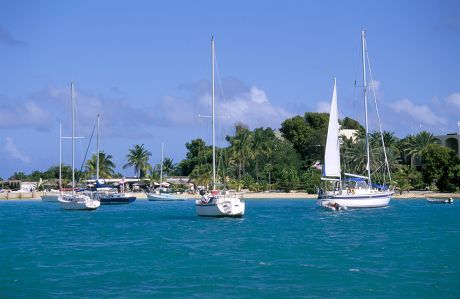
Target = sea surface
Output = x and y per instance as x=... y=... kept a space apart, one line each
x=280 y=249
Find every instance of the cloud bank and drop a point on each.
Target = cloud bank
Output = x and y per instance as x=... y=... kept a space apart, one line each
x=12 y=151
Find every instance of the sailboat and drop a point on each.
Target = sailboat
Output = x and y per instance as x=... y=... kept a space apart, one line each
x=108 y=196
x=158 y=195
x=76 y=201
x=53 y=196
x=352 y=191
x=217 y=204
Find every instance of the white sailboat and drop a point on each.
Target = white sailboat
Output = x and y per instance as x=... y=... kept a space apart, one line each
x=357 y=191
x=53 y=196
x=158 y=195
x=76 y=201
x=218 y=204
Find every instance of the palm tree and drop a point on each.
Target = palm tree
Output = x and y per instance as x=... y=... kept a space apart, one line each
x=201 y=175
x=106 y=166
x=240 y=148
x=168 y=166
x=418 y=143
x=138 y=158
x=153 y=177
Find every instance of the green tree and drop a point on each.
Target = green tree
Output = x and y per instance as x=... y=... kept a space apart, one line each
x=168 y=166
x=240 y=148
x=438 y=166
x=106 y=165
x=138 y=158
x=197 y=153
x=307 y=134
x=418 y=143
x=289 y=179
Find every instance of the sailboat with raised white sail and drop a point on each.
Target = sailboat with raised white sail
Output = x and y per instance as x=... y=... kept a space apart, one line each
x=218 y=203
x=76 y=201
x=356 y=191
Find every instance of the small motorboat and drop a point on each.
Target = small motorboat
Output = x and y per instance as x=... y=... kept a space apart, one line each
x=440 y=200
x=331 y=205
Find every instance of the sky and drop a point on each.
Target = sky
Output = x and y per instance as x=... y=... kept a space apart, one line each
x=145 y=67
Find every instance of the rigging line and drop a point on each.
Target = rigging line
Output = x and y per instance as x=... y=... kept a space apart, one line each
x=78 y=125
x=87 y=149
x=378 y=114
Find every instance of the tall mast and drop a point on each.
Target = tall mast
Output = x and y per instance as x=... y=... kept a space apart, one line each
x=73 y=137
x=213 y=124
x=161 y=166
x=60 y=157
x=97 y=150
x=368 y=165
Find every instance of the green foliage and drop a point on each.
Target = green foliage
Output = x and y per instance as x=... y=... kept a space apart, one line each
x=138 y=158
x=349 y=123
x=440 y=166
x=310 y=180
x=106 y=166
x=197 y=153
x=289 y=179
x=307 y=134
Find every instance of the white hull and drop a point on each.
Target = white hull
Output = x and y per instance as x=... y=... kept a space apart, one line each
x=78 y=202
x=357 y=201
x=50 y=197
x=220 y=206
x=163 y=197
x=440 y=200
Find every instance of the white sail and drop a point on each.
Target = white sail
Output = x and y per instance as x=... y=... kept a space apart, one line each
x=331 y=165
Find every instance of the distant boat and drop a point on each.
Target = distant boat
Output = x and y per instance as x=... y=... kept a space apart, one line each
x=217 y=204
x=160 y=195
x=108 y=196
x=163 y=196
x=440 y=200
x=116 y=198
x=76 y=201
x=356 y=191
x=51 y=196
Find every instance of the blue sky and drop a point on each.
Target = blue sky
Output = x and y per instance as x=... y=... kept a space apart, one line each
x=145 y=67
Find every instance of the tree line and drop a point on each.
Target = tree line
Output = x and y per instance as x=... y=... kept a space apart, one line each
x=287 y=159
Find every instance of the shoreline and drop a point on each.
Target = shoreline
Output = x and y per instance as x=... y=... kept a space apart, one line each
x=246 y=195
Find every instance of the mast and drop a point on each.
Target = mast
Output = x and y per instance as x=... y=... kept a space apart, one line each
x=368 y=167
x=73 y=137
x=213 y=123
x=97 y=150
x=60 y=157
x=161 y=166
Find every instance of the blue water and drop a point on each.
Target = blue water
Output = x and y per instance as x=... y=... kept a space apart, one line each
x=280 y=249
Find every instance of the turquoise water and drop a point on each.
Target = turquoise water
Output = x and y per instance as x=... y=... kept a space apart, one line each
x=280 y=249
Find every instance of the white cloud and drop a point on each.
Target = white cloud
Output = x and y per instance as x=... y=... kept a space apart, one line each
x=323 y=106
x=246 y=104
x=422 y=114
x=12 y=151
x=17 y=114
x=454 y=99
x=257 y=95
x=253 y=109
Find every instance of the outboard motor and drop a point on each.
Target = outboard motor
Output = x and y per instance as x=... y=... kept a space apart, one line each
x=202 y=192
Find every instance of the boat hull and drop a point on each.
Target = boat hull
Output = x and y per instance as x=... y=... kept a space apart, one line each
x=360 y=201
x=440 y=200
x=50 y=197
x=78 y=202
x=220 y=207
x=117 y=200
x=163 y=197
